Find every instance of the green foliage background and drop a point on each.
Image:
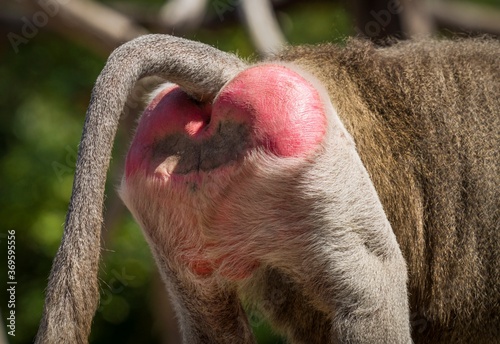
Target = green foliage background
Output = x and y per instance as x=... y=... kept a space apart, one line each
x=44 y=93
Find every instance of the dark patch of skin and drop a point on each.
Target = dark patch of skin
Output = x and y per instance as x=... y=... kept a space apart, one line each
x=229 y=143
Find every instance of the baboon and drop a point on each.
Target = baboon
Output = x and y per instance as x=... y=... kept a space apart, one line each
x=350 y=194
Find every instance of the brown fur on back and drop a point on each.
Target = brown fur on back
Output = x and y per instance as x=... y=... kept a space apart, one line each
x=426 y=120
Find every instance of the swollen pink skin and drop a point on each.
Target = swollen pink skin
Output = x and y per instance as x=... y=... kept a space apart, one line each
x=283 y=109
x=283 y=113
x=171 y=111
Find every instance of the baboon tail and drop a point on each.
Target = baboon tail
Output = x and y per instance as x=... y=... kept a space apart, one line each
x=72 y=295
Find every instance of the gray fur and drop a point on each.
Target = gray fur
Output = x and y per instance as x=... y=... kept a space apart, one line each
x=425 y=116
x=393 y=223
x=72 y=295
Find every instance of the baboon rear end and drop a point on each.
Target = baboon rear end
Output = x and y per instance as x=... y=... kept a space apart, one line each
x=336 y=202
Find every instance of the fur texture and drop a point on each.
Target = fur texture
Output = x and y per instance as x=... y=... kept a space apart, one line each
x=426 y=120
x=391 y=222
x=72 y=294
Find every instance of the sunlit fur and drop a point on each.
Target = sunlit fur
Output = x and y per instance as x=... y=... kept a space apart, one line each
x=425 y=119
x=390 y=225
x=422 y=118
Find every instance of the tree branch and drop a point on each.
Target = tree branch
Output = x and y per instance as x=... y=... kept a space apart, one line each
x=92 y=23
x=467 y=17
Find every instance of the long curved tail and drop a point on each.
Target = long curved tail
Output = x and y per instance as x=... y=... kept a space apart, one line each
x=72 y=295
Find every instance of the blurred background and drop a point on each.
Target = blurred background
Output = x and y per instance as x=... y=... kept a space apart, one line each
x=51 y=52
